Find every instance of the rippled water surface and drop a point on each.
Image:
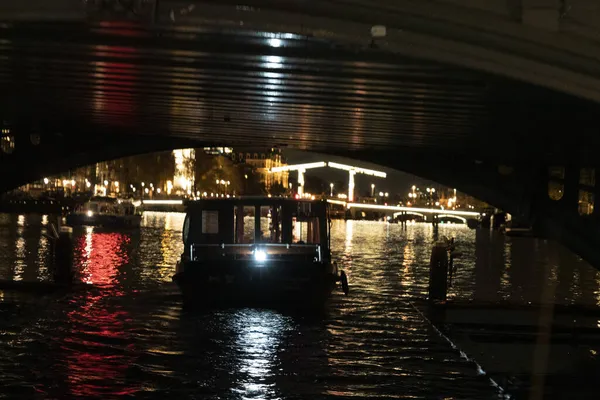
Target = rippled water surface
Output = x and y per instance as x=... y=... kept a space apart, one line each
x=127 y=334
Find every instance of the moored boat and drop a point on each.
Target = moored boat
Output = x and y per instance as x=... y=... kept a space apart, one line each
x=107 y=212
x=243 y=250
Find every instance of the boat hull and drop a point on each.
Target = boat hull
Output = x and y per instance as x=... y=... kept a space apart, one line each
x=127 y=221
x=245 y=284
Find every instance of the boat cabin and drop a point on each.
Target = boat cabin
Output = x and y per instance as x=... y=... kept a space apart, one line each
x=253 y=228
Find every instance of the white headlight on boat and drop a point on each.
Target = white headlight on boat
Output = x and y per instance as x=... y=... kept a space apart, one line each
x=90 y=213
x=260 y=255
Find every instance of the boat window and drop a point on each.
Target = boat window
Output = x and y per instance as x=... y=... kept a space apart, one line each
x=275 y=225
x=186 y=228
x=247 y=229
x=210 y=222
x=586 y=202
x=270 y=224
x=306 y=231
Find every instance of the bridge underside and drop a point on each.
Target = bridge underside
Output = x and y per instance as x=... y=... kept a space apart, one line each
x=75 y=93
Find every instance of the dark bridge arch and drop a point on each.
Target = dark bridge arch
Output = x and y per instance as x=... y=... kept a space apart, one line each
x=73 y=93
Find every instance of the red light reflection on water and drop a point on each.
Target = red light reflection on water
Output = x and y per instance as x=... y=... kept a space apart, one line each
x=96 y=346
x=102 y=255
x=97 y=350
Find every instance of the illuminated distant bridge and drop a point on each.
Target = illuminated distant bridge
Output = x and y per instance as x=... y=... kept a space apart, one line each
x=301 y=168
x=408 y=210
x=348 y=205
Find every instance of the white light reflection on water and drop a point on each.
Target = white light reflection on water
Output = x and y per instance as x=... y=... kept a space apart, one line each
x=86 y=275
x=20 y=258
x=42 y=257
x=258 y=338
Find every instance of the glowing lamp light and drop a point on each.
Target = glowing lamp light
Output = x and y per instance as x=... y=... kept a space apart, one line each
x=274 y=42
x=260 y=256
x=46 y=181
x=90 y=213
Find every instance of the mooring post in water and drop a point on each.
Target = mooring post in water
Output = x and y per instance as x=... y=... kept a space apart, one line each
x=438 y=272
x=63 y=256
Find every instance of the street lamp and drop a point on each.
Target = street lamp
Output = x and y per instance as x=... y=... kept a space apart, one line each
x=46 y=181
x=372 y=189
x=331 y=190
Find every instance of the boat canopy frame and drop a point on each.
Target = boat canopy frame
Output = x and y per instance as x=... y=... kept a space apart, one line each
x=216 y=224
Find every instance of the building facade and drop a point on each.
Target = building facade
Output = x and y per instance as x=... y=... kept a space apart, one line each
x=263 y=160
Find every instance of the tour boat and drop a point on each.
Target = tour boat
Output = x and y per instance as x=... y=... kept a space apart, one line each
x=105 y=211
x=263 y=249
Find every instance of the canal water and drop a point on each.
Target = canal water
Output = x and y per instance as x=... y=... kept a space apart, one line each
x=128 y=335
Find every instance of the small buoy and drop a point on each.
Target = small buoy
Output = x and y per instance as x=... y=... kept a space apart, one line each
x=344 y=280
